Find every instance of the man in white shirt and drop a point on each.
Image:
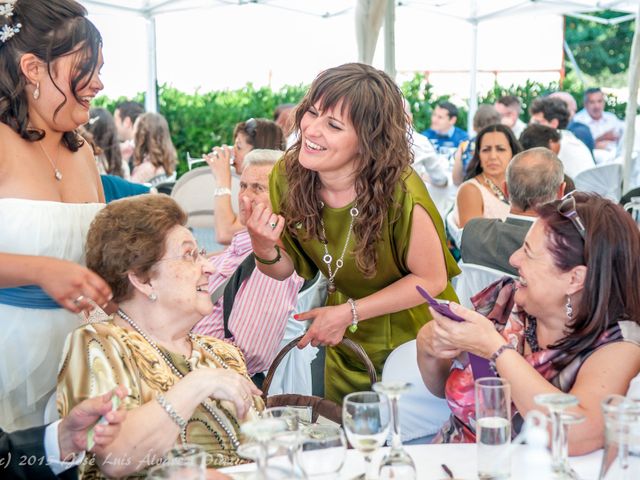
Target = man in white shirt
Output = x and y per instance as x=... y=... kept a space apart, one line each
x=429 y=165
x=553 y=112
x=605 y=127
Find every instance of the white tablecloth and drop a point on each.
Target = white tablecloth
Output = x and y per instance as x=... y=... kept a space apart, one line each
x=460 y=458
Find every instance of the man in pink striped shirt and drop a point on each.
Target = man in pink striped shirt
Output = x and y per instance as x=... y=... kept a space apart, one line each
x=262 y=305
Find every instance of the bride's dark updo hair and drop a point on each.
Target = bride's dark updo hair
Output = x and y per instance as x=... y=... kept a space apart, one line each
x=49 y=30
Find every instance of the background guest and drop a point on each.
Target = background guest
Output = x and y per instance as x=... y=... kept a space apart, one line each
x=261 y=305
x=482 y=194
x=574 y=154
x=154 y=154
x=534 y=177
x=105 y=135
x=563 y=326
x=254 y=133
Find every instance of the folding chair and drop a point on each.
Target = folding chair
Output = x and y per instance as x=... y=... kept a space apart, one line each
x=605 y=180
x=194 y=193
x=473 y=279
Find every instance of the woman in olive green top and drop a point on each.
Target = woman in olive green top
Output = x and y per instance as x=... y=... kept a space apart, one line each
x=346 y=201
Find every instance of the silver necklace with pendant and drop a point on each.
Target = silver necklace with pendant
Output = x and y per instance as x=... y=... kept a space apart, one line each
x=328 y=259
x=56 y=173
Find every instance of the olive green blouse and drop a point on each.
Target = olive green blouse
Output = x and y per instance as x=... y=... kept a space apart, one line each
x=379 y=335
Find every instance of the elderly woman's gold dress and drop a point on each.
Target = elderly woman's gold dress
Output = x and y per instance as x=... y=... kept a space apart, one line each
x=99 y=356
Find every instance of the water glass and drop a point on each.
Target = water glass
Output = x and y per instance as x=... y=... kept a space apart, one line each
x=633 y=207
x=621 y=458
x=322 y=451
x=365 y=416
x=493 y=427
x=184 y=461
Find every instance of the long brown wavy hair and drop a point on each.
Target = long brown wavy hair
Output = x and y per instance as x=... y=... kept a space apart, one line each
x=375 y=108
x=153 y=140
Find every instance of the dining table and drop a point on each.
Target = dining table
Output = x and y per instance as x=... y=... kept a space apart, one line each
x=460 y=459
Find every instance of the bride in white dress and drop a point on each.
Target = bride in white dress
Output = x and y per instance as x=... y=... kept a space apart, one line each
x=50 y=190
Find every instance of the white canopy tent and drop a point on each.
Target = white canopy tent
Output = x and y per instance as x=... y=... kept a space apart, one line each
x=370 y=15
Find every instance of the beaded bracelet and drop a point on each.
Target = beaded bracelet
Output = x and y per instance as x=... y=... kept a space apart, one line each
x=354 y=315
x=177 y=419
x=496 y=354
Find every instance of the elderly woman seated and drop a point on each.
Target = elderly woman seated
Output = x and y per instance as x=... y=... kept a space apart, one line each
x=569 y=323
x=182 y=387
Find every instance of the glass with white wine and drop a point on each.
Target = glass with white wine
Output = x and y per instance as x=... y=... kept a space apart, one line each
x=365 y=416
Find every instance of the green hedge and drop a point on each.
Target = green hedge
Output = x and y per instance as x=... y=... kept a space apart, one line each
x=200 y=121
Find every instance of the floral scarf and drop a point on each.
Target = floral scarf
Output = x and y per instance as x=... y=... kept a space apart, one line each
x=496 y=303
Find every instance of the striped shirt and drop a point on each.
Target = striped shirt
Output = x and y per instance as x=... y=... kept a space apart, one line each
x=260 y=311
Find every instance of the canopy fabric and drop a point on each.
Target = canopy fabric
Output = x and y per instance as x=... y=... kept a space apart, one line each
x=370 y=16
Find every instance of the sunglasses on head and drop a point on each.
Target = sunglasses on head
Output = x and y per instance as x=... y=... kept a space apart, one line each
x=250 y=126
x=567 y=208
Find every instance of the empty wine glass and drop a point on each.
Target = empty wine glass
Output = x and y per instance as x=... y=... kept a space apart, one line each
x=262 y=430
x=182 y=462
x=556 y=403
x=291 y=437
x=365 y=416
x=397 y=464
x=191 y=161
x=322 y=451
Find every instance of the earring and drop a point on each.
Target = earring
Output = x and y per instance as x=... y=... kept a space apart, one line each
x=153 y=297
x=36 y=92
x=569 y=308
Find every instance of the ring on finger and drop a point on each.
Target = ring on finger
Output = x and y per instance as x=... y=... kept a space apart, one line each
x=273 y=225
x=78 y=299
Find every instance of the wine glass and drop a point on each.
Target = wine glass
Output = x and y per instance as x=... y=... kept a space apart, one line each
x=262 y=430
x=182 y=462
x=365 y=416
x=556 y=403
x=322 y=451
x=191 y=161
x=291 y=437
x=397 y=464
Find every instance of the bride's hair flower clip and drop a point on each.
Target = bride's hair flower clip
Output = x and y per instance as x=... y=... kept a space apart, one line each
x=8 y=30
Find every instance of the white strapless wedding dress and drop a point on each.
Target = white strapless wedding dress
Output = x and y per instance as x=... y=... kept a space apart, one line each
x=32 y=340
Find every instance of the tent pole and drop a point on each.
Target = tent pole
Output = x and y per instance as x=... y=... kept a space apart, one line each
x=151 y=99
x=632 y=106
x=473 y=73
x=390 y=39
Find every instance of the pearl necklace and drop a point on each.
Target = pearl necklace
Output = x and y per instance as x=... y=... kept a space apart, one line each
x=497 y=191
x=328 y=259
x=183 y=433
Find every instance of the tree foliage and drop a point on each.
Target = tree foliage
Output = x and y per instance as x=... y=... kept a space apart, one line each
x=200 y=121
x=600 y=49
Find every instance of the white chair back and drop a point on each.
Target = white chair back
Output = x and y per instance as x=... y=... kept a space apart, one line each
x=194 y=193
x=421 y=412
x=455 y=232
x=293 y=375
x=605 y=180
x=473 y=279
